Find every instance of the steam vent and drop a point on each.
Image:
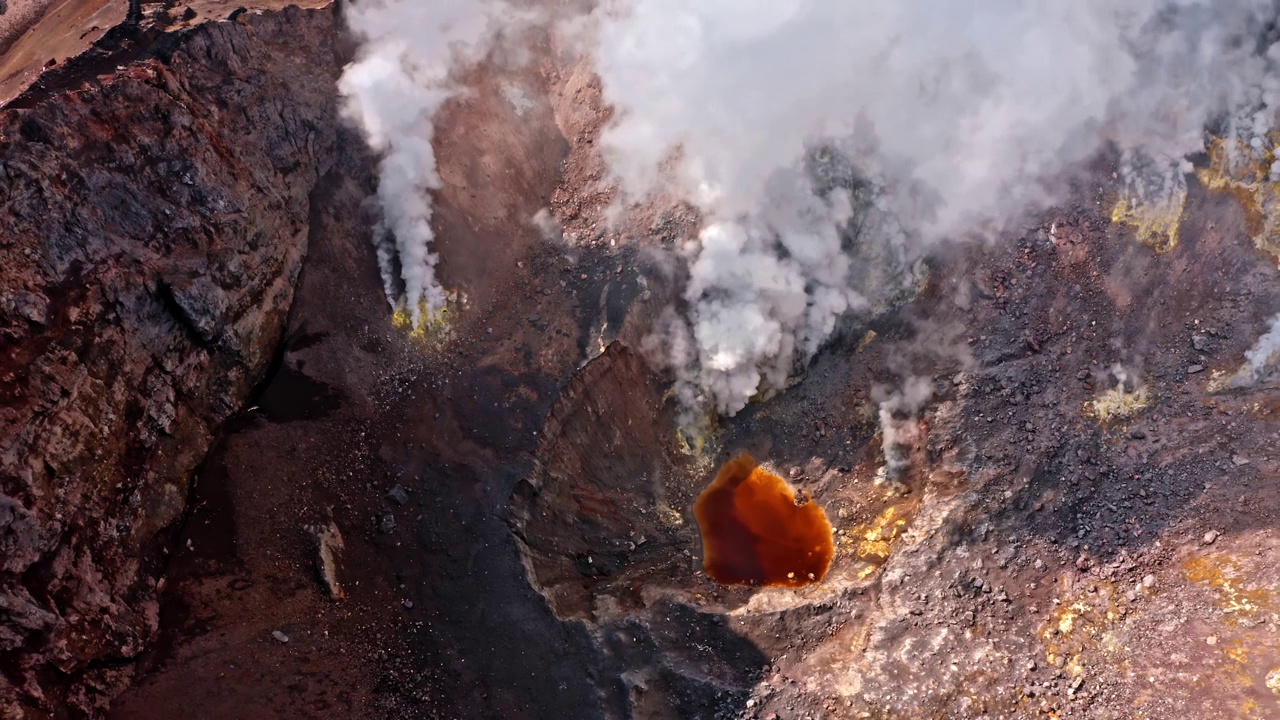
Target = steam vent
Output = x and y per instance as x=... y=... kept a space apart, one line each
x=377 y=360
x=755 y=533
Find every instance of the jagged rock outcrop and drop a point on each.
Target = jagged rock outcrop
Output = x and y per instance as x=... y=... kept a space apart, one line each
x=153 y=224
x=595 y=518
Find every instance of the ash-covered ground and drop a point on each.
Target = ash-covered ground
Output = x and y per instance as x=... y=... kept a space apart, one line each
x=495 y=520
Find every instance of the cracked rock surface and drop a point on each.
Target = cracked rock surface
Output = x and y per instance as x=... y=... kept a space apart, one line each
x=153 y=224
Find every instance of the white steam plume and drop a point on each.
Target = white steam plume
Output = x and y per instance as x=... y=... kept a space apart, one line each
x=392 y=91
x=960 y=117
x=1264 y=352
x=1262 y=361
x=899 y=422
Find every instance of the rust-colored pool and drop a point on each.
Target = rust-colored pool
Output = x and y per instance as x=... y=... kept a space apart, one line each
x=754 y=533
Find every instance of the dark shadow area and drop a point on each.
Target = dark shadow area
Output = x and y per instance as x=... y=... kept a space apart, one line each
x=290 y=395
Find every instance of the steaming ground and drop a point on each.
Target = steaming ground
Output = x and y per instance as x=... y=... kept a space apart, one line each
x=398 y=82
x=947 y=122
x=517 y=527
x=962 y=120
x=1262 y=361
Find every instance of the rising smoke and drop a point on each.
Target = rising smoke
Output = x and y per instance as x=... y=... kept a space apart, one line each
x=399 y=80
x=951 y=119
x=899 y=411
x=1262 y=361
x=963 y=117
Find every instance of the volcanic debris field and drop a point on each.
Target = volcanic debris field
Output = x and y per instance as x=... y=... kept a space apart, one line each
x=232 y=487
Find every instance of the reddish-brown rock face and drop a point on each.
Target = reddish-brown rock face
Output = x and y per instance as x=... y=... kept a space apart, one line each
x=153 y=224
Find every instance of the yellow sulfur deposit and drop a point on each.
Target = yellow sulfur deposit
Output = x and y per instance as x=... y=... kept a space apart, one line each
x=1157 y=224
x=1152 y=198
x=1118 y=403
x=872 y=542
x=435 y=326
x=1244 y=172
x=1222 y=573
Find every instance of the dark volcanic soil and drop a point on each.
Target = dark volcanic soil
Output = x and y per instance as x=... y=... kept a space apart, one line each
x=515 y=505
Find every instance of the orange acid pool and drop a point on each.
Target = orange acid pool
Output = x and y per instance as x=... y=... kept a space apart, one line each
x=754 y=533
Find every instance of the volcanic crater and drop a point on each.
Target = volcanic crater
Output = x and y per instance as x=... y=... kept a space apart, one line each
x=210 y=423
